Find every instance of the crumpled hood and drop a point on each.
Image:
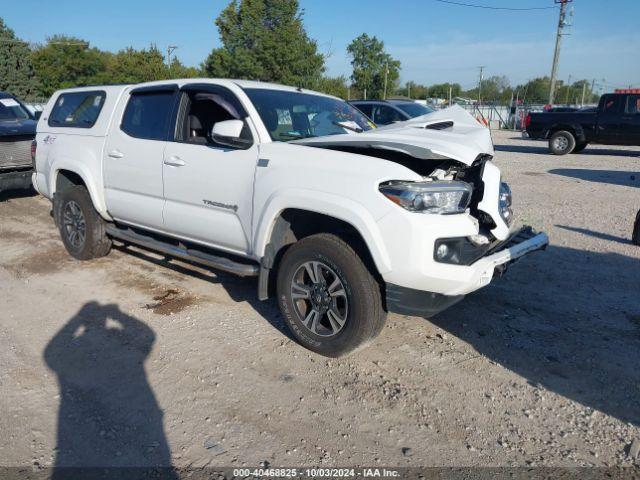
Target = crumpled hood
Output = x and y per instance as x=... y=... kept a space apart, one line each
x=463 y=141
x=18 y=127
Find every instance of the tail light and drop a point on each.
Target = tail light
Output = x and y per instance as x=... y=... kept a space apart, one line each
x=34 y=147
x=527 y=121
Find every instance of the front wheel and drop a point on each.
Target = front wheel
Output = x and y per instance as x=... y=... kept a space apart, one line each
x=562 y=142
x=329 y=299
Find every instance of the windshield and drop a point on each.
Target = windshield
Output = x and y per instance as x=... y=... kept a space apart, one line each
x=414 y=109
x=294 y=115
x=10 y=110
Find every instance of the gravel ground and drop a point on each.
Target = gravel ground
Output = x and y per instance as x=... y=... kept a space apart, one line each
x=133 y=360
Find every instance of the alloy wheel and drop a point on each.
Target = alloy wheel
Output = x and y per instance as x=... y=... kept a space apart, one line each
x=319 y=298
x=74 y=224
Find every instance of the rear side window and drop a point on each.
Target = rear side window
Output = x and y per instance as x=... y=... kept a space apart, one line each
x=77 y=109
x=633 y=104
x=148 y=115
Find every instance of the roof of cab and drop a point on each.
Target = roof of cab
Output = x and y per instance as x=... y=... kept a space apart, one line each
x=244 y=84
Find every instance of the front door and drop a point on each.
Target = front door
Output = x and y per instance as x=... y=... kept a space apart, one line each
x=133 y=156
x=609 y=113
x=208 y=188
x=630 y=122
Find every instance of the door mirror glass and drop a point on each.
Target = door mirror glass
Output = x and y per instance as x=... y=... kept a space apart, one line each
x=229 y=133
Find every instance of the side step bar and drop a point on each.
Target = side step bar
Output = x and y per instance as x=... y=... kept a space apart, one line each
x=197 y=256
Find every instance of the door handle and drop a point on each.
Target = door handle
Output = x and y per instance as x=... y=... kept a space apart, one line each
x=116 y=154
x=174 y=161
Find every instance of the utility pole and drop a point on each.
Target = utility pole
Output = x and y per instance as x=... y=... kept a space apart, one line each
x=556 y=53
x=584 y=89
x=170 y=50
x=386 y=74
x=480 y=84
x=409 y=89
x=566 y=100
x=450 y=90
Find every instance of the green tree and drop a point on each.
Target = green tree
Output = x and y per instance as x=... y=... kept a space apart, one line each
x=16 y=72
x=67 y=62
x=534 y=91
x=336 y=86
x=134 y=66
x=265 y=40
x=370 y=63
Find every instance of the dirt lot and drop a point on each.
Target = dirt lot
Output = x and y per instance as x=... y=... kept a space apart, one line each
x=133 y=360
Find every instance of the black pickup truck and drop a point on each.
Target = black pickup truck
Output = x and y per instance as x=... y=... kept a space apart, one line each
x=615 y=122
x=17 y=132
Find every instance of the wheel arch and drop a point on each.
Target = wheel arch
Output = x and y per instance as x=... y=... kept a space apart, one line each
x=289 y=224
x=65 y=175
x=575 y=129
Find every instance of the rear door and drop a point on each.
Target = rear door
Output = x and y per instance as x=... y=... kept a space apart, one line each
x=133 y=155
x=608 y=120
x=630 y=121
x=208 y=187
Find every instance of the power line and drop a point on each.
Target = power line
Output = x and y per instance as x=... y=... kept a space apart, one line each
x=488 y=7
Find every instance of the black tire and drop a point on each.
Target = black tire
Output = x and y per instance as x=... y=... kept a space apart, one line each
x=635 y=238
x=579 y=147
x=71 y=209
x=358 y=301
x=562 y=142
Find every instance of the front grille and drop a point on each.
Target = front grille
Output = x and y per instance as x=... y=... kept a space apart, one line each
x=15 y=151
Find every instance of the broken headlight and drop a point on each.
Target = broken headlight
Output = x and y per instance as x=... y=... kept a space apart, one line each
x=505 y=200
x=442 y=197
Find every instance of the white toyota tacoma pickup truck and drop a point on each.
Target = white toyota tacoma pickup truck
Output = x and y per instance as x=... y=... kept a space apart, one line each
x=342 y=220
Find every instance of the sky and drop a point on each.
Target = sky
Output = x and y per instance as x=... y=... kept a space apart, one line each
x=435 y=42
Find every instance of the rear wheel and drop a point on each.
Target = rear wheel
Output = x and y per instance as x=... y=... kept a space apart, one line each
x=562 y=142
x=329 y=299
x=81 y=227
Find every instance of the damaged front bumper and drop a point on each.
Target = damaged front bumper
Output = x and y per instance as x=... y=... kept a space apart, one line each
x=408 y=301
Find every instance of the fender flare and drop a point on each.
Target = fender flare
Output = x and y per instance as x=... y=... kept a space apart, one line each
x=84 y=172
x=574 y=128
x=341 y=208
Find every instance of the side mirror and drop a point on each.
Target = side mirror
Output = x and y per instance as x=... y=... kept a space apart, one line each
x=228 y=133
x=37 y=114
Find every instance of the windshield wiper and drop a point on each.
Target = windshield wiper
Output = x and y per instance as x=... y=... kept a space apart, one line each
x=349 y=127
x=292 y=135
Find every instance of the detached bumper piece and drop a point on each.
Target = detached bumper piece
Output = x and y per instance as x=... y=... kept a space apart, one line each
x=521 y=243
x=407 y=301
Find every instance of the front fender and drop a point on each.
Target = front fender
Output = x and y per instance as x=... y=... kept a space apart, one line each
x=335 y=206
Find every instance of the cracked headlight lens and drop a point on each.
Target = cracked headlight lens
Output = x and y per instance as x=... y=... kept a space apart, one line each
x=442 y=197
x=505 y=201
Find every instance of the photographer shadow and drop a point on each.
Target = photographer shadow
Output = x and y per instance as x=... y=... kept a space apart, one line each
x=108 y=415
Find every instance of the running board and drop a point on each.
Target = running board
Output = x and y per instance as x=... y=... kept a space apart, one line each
x=197 y=256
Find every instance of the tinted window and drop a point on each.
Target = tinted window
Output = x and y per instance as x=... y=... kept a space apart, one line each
x=77 y=109
x=148 y=115
x=364 y=108
x=611 y=104
x=384 y=115
x=414 y=109
x=633 y=104
x=11 y=109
